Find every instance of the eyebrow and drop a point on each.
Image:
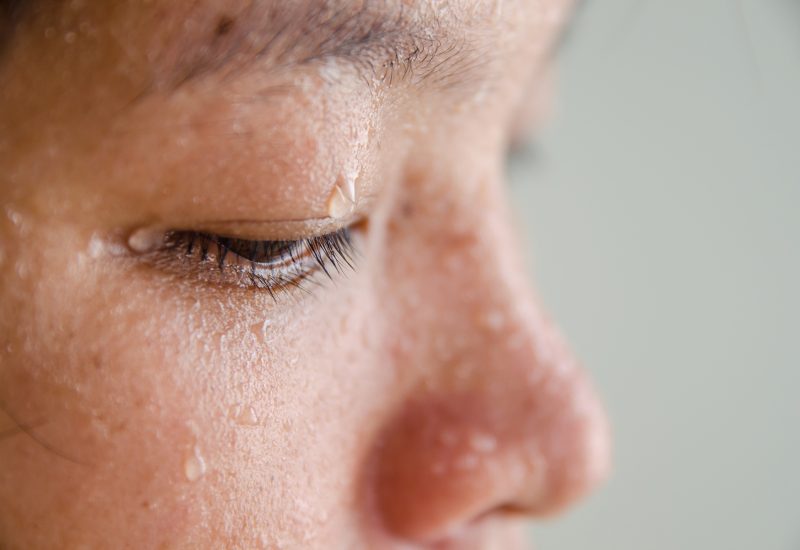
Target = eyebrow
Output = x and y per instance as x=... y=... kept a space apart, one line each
x=384 y=42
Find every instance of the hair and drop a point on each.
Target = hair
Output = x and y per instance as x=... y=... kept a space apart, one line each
x=11 y=12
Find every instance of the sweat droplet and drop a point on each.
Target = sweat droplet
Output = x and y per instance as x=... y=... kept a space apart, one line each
x=14 y=216
x=342 y=200
x=483 y=443
x=493 y=320
x=145 y=240
x=467 y=462
x=261 y=329
x=194 y=467
x=244 y=415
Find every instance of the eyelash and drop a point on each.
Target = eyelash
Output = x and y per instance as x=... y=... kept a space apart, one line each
x=273 y=266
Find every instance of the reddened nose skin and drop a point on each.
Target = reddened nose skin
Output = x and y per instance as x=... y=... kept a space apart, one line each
x=448 y=459
x=496 y=417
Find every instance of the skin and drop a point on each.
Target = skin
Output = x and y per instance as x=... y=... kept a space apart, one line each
x=420 y=400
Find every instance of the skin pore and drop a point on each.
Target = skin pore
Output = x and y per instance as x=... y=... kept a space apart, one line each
x=258 y=285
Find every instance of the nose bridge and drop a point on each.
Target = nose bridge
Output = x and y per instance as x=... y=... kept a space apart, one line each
x=474 y=285
x=500 y=414
x=469 y=307
x=497 y=361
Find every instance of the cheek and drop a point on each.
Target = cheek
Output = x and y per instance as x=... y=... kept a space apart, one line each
x=95 y=431
x=158 y=412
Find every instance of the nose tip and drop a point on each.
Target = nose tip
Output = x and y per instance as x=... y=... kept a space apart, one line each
x=574 y=445
x=532 y=442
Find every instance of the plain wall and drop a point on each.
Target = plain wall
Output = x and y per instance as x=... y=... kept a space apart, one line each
x=662 y=208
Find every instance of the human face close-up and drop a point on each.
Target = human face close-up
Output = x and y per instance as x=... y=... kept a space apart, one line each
x=259 y=286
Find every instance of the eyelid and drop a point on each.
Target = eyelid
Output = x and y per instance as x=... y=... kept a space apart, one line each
x=274 y=230
x=271 y=265
x=147 y=238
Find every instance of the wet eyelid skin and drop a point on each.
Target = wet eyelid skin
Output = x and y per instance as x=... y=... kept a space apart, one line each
x=146 y=238
x=215 y=155
x=277 y=159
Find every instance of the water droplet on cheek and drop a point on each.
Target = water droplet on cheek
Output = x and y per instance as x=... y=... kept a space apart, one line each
x=194 y=466
x=14 y=216
x=265 y=327
x=244 y=415
x=22 y=270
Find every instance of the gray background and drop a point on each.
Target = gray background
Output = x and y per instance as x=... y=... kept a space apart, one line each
x=662 y=208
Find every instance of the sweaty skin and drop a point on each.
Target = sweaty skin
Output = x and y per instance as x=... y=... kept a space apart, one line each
x=149 y=399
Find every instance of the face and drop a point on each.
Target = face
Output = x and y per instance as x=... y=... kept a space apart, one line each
x=258 y=286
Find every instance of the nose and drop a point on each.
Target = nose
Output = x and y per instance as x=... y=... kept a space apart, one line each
x=496 y=416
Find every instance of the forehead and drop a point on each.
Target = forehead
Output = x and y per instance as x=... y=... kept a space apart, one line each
x=132 y=78
x=179 y=40
x=269 y=16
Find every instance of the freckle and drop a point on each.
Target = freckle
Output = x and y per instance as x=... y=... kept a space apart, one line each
x=406 y=209
x=96 y=363
x=224 y=25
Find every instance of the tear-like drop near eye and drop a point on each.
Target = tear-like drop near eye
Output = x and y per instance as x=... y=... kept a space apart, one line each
x=342 y=200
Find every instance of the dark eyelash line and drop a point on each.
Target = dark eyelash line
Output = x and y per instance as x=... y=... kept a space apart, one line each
x=269 y=265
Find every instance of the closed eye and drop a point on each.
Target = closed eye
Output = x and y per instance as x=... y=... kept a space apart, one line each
x=273 y=266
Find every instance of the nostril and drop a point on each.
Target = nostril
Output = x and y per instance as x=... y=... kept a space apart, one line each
x=508 y=511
